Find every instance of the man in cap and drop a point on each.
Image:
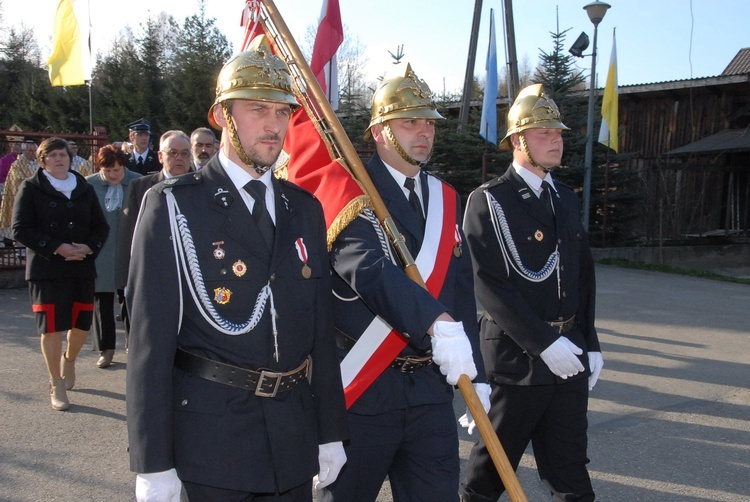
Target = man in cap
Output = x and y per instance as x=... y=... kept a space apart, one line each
x=142 y=159
x=403 y=426
x=535 y=277
x=203 y=145
x=229 y=292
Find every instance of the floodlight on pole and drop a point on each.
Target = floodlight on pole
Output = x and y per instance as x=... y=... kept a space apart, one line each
x=596 y=11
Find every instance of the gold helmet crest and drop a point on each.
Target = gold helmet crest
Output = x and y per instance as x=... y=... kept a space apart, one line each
x=255 y=74
x=532 y=109
x=405 y=96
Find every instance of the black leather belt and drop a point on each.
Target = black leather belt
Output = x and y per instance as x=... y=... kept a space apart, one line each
x=263 y=383
x=560 y=326
x=405 y=364
x=410 y=364
x=563 y=326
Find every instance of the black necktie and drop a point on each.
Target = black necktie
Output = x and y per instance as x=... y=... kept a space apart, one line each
x=140 y=164
x=546 y=199
x=262 y=217
x=414 y=200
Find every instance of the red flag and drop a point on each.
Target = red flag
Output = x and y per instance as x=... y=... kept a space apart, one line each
x=329 y=37
x=249 y=23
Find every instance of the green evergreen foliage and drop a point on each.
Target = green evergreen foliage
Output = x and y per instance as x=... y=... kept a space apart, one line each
x=614 y=196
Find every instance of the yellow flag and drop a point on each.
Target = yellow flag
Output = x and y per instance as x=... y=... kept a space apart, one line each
x=608 y=132
x=69 y=63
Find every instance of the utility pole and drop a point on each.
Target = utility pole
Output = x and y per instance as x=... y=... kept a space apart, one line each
x=512 y=59
x=469 y=78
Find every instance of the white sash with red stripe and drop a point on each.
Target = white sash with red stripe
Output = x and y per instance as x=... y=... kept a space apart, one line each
x=379 y=345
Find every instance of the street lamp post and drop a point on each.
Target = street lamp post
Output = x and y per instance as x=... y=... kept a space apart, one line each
x=596 y=11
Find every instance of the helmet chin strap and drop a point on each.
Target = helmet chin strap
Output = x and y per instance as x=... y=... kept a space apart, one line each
x=235 y=139
x=526 y=150
x=408 y=158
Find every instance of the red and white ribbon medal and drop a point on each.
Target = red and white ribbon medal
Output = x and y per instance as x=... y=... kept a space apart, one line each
x=302 y=253
x=457 y=245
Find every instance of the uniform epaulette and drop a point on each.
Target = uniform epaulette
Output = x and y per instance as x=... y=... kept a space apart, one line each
x=296 y=187
x=440 y=179
x=193 y=178
x=559 y=183
x=493 y=182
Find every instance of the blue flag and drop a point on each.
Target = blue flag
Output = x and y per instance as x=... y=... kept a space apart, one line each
x=488 y=125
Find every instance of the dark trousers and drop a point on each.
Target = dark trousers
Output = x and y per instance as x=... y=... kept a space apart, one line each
x=103 y=328
x=553 y=418
x=203 y=493
x=416 y=448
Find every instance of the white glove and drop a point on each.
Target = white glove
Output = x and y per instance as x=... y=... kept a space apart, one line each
x=561 y=358
x=596 y=363
x=451 y=351
x=162 y=486
x=483 y=391
x=331 y=457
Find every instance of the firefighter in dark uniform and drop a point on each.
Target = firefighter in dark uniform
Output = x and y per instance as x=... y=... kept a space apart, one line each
x=142 y=159
x=403 y=425
x=233 y=384
x=534 y=276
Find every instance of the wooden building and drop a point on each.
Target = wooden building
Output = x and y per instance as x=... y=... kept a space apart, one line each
x=689 y=141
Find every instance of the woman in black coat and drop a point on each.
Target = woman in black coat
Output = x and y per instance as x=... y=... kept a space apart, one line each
x=58 y=218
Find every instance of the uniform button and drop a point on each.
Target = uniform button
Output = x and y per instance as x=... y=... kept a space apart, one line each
x=69 y=204
x=184 y=402
x=273 y=277
x=223 y=271
x=71 y=224
x=560 y=318
x=564 y=295
x=53 y=204
x=528 y=238
x=562 y=268
x=42 y=244
x=559 y=241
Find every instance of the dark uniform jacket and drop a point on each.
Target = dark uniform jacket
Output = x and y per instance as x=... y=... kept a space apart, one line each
x=384 y=289
x=137 y=188
x=212 y=433
x=514 y=330
x=151 y=163
x=44 y=218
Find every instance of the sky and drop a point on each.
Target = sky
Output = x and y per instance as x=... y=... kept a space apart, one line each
x=657 y=40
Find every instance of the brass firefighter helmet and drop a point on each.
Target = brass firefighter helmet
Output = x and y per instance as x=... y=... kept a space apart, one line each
x=532 y=109
x=255 y=74
x=405 y=96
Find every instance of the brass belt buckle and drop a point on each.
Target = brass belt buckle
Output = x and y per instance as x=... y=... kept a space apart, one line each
x=267 y=375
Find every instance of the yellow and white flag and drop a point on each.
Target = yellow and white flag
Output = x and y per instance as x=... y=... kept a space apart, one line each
x=608 y=132
x=70 y=62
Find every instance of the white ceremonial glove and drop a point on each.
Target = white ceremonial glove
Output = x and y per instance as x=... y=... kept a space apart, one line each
x=331 y=457
x=451 y=351
x=162 y=486
x=483 y=391
x=596 y=363
x=561 y=358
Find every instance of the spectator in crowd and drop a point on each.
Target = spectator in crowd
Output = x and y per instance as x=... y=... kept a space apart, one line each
x=7 y=160
x=58 y=218
x=110 y=185
x=24 y=167
x=79 y=164
x=203 y=145
x=142 y=159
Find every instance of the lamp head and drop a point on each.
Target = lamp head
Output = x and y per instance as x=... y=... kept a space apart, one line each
x=596 y=11
x=580 y=45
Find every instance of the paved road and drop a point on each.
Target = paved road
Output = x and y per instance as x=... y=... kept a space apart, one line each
x=669 y=421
